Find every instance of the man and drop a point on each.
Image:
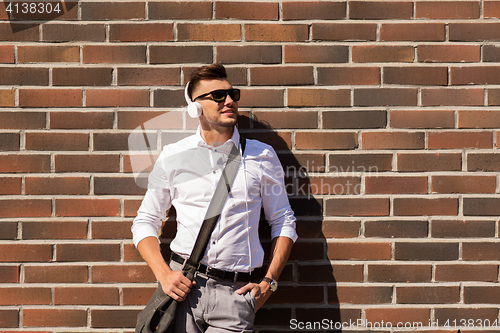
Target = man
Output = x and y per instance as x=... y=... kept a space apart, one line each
x=185 y=176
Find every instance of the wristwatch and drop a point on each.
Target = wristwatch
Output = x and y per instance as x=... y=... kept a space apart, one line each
x=272 y=283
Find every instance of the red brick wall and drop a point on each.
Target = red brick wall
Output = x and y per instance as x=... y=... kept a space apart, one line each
x=391 y=105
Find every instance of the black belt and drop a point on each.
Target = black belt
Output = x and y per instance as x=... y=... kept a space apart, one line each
x=216 y=273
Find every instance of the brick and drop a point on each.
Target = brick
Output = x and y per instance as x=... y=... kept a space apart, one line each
x=114 y=54
x=423 y=32
x=385 y=97
x=475 y=75
x=344 y=31
x=459 y=229
x=483 y=162
x=462 y=139
x=87 y=207
x=26 y=207
x=208 y=32
x=171 y=98
x=395 y=185
x=429 y=162
x=24 y=163
x=149 y=119
x=448 y=53
x=9 y=318
x=289 y=119
x=25 y=32
x=478 y=119
x=159 y=54
x=425 y=207
x=298 y=97
x=473 y=31
x=481 y=206
x=249 y=54
x=7 y=54
x=86 y=296
x=308 y=10
x=434 y=76
x=360 y=162
x=145 y=32
x=105 y=318
x=493 y=96
x=30 y=76
x=428 y=295
x=480 y=251
x=463 y=184
x=82 y=76
x=307 y=206
x=359 y=251
x=74 y=32
x=55 y=274
x=399 y=273
x=328 y=185
x=329 y=229
x=333 y=76
x=54 y=230
x=81 y=120
x=307 y=294
x=396 y=229
x=481 y=294
x=87 y=163
x=380 y=10
x=130 y=207
x=426 y=251
x=382 y=53
x=295 y=162
x=42 y=98
x=111 y=230
x=87 y=252
x=137 y=296
x=117 y=186
x=25 y=252
x=316 y=54
x=8 y=231
x=276 y=32
x=117 y=97
x=447 y=10
x=354 y=119
x=357 y=207
x=327 y=272
x=281 y=76
x=9 y=141
x=421 y=119
x=120 y=141
x=359 y=295
x=22 y=120
x=54 y=318
x=129 y=76
x=93 y=11
x=57 y=185
x=491 y=9
x=466 y=272
x=7 y=98
x=464 y=314
x=392 y=140
x=9 y=274
x=122 y=274
x=57 y=141
x=25 y=296
x=247 y=10
x=35 y=54
x=325 y=140
x=459 y=97
x=180 y=10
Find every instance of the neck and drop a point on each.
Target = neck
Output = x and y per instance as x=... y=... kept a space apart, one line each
x=217 y=136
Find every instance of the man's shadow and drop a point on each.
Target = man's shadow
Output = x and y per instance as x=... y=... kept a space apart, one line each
x=307 y=286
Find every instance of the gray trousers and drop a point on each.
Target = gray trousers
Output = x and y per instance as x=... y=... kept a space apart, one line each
x=214 y=306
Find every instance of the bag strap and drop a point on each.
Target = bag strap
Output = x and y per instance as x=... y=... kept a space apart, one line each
x=215 y=208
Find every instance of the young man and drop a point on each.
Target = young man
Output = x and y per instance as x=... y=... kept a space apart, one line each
x=224 y=297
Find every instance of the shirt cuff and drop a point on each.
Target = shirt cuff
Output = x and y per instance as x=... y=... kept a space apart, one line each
x=142 y=232
x=285 y=231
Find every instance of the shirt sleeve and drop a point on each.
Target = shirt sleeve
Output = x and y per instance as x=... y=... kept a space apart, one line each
x=154 y=206
x=275 y=202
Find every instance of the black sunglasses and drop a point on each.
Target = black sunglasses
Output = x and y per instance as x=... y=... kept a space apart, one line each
x=221 y=94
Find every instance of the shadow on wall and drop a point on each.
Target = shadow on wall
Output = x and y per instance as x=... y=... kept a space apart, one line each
x=307 y=291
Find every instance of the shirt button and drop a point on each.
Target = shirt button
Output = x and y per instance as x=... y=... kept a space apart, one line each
x=213 y=242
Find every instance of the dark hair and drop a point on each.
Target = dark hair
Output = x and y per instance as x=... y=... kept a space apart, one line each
x=210 y=72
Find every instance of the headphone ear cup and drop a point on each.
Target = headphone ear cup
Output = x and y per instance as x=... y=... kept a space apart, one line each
x=194 y=109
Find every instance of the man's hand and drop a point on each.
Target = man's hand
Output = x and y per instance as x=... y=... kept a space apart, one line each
x=176 y=285
x=261 y=292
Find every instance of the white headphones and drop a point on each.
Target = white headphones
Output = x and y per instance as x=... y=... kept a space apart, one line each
x=194 y=109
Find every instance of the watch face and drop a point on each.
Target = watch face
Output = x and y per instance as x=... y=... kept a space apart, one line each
x=274 y=285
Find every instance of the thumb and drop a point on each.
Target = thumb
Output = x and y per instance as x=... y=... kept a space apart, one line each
x=245 y=288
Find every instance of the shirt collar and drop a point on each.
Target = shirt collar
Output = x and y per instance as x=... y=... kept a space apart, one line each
x=225 y=147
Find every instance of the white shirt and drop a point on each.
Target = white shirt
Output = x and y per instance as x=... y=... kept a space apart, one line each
x=185 y=176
